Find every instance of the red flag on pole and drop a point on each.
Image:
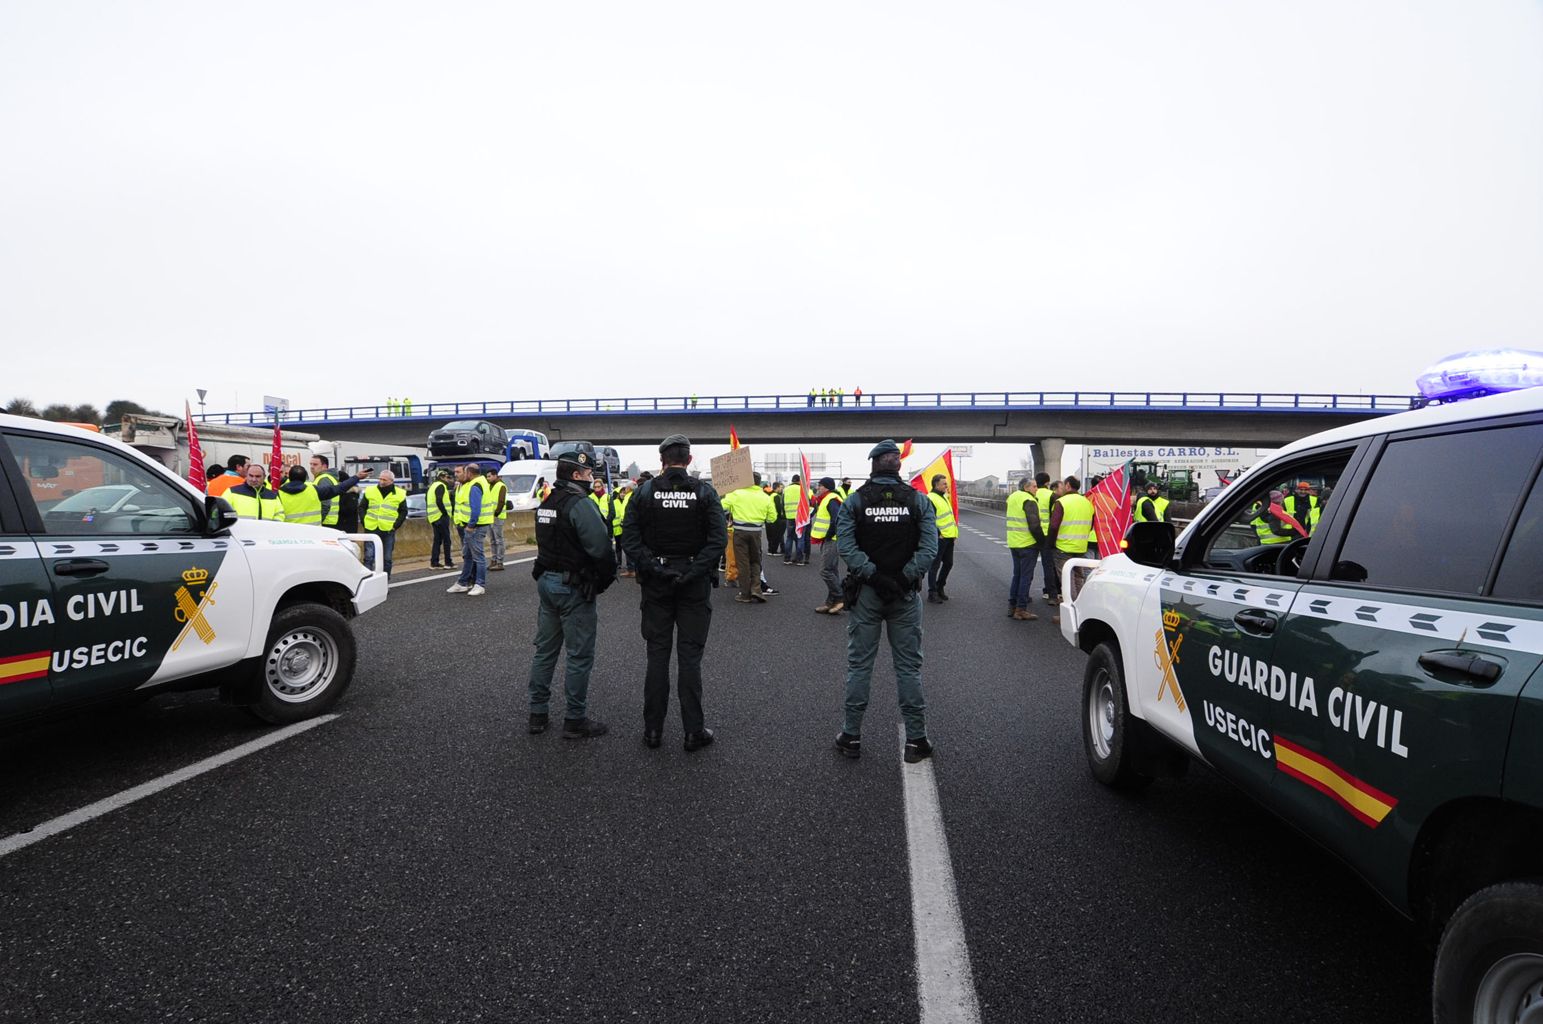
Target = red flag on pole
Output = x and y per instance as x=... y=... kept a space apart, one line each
x=195 y=453
x=276 y=463
x=1112 y=509
x=804 y=513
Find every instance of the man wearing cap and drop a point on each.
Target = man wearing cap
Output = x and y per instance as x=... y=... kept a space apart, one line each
x=1153 y=508
x=441 y=509
x=888 y=537
x=822 y=531
x=674 y=533
x=574 y=564
x=748 y=510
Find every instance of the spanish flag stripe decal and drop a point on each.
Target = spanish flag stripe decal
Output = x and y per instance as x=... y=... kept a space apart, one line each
x=23 y=666
x=1366 y=803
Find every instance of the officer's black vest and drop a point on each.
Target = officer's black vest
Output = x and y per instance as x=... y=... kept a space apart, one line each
x=557 y=540
x=673 y=515
x=889 y=524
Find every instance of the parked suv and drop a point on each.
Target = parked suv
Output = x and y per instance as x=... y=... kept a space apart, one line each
x=1352 y=633
x=604 y=456
x=469 y=437
x=117 y=578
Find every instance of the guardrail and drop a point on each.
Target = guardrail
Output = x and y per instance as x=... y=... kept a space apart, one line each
x=1134 y=401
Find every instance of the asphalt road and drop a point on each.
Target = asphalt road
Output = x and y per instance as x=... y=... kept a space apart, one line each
x=421 y=858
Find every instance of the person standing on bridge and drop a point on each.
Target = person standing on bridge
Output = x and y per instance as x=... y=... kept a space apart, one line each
x=574 y=565
x=407 y=406
x=1025 y=536
x=857 y=393
x=674 y=533
x=888 y=538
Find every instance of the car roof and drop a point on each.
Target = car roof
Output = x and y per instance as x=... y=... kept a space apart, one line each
x=1510 y=404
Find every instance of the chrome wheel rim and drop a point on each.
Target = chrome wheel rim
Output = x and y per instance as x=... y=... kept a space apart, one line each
x=301 y=664
x=1511 y=991
x=1101 y=714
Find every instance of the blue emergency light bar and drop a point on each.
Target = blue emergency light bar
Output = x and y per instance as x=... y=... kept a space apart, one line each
x=1475 y=374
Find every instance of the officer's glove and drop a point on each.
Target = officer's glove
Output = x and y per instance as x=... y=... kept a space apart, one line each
x=887 y=587
x=603 y=583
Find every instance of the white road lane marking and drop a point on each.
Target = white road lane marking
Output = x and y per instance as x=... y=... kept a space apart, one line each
x=447 y=575
x=944 y=980
x=65 y=822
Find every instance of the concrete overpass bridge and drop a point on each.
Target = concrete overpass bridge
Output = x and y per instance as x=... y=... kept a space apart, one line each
x=1049 y=419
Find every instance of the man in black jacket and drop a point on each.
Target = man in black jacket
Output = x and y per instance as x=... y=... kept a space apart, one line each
x=674 y=531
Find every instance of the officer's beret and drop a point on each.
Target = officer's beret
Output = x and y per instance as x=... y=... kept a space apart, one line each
x=884 y=447
x=578 y=459
x=674 y=439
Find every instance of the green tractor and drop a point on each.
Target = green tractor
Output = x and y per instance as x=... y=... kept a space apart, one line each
x=1173 y=484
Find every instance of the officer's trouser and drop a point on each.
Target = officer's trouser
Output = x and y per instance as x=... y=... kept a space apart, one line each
x=563 y=619
x=937 y=572
x=904 y=616
x=679 y=617
x=830 y=570
x=496 y=535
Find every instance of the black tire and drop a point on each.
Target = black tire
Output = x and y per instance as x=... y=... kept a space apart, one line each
x=1108 y=730
x=306 y=664
x=1489 y=965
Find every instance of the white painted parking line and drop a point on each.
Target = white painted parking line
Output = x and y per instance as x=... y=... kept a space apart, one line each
x=457 y=572
x=65 y=822
x=944 y=980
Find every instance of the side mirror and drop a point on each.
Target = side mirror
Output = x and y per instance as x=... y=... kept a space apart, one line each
x=220 y=517
x=1150 y=544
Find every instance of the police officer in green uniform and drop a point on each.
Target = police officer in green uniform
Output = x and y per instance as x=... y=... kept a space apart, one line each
x=674 y=533
x=574 y=564
x=888 y=536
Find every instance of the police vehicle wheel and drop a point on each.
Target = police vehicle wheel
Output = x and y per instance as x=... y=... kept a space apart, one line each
x=1489 y=966
x=307 y=665
x=1106 y=723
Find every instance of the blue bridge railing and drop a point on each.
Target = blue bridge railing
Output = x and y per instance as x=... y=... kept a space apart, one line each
x=1133 y=401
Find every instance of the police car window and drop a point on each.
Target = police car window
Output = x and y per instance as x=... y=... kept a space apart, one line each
x=1521 y=570
x=81 y=489
x=1281 y=507
x=1433 y=512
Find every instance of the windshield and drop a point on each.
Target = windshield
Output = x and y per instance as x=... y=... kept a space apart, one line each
x=525 y=483
x=460 y=425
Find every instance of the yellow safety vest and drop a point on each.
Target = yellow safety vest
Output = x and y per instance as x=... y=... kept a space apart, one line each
x=463 y=504
x=1076 y=524
x=620 y=505
x=437 y=488
x=945 y=515
x=1308 y=521
x=304 y=507
x=1018 y=535
x=247 y=507
x=822 y=525
x=1266 y=530
x=329 y=508
x=1159 y=506
x=500 y=491
x=381 y=514
x=790 y=495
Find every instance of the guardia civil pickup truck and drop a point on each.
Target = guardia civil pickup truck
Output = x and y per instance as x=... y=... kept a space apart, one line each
x=119 y=579
x=1351 y=633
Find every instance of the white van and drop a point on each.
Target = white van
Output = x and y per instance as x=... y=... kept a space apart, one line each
x=524 y=478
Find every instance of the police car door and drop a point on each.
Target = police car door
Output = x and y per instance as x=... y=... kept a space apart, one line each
x=1213 y=639
x=138 y=591
x=1419 y=659
x=26 y=612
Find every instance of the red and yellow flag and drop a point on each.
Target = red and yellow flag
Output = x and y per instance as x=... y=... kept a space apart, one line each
x=1365 y=802
x=943 y=464
x=23 y=666
x=905 y=450
x=733 y=437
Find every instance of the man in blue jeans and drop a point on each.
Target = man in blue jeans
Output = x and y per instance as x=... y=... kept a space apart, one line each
x=473 y=515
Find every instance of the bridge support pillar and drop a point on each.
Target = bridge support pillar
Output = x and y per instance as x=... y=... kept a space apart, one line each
x=1049 y=461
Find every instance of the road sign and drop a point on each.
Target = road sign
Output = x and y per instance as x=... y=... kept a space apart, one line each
x=272 y=405
x=964 y=451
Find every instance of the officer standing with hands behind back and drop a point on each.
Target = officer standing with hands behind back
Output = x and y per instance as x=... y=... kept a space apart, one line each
x=574 y=564
x=888 y=536
x=674 y=533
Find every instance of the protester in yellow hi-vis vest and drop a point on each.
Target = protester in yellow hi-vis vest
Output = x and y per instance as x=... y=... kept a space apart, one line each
x=1025 y=535
x=948 y=533
x=382 y=511
x=1044 y=496
x=441 y=509
x=795 y=542
x=1071 y=524
x=822 y=531
x=254 y=499
x=308 y=502
x=498 y=494
x=473 y=516
x=1152 y=507
x=619 y=506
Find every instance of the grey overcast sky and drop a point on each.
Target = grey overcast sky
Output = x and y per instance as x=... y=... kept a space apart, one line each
x=336 y=202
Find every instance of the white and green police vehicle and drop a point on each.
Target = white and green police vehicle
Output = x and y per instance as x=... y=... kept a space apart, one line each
x=119 y=579
x=1361 y=655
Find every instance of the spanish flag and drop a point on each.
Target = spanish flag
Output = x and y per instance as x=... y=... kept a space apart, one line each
x=905 y=450
x=943 y=464
x=733 y=437
x=1366 y=803
x=23 y=666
